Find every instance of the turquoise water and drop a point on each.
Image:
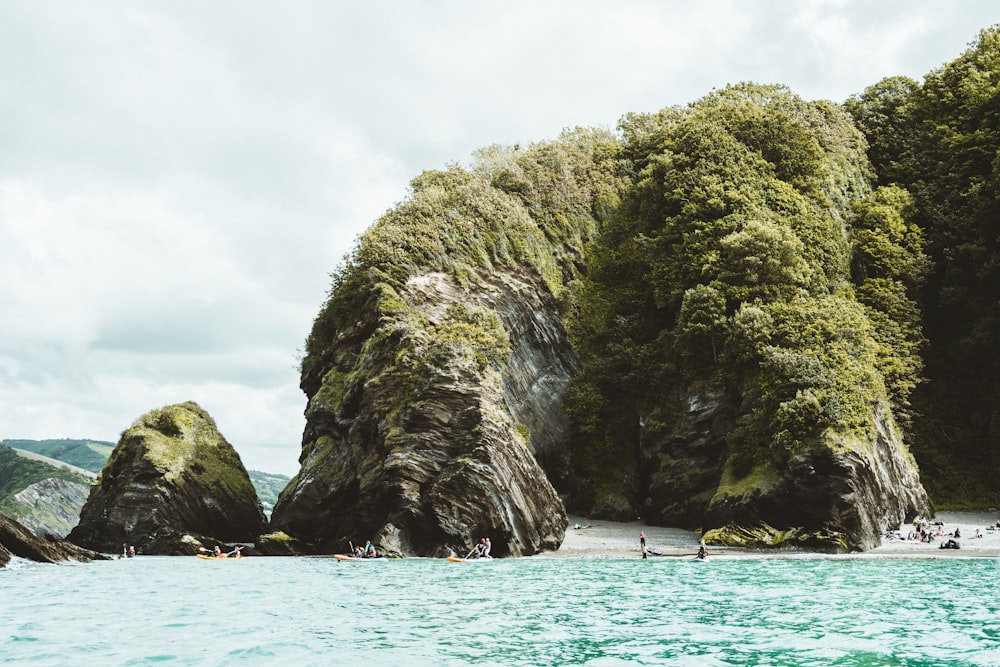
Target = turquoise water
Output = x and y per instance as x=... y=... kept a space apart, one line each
x=312 y=611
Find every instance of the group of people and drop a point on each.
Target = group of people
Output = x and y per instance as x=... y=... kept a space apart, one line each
x=368 y=551
x=128 y=551
x=235 y=553
x=482 y=549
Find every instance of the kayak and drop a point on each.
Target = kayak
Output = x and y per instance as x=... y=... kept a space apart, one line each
x=700 y=560
x=204 y=557
x=360 y=560
x=456 y=559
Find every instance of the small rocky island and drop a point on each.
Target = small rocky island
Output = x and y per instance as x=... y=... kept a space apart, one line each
x=17 y=540
x=172 y=486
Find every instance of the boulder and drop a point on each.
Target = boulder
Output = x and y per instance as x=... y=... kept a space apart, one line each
x=16 y=540
x=422 y=447
x=173 y=485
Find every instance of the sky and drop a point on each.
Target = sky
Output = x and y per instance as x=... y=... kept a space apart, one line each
x=178 y=180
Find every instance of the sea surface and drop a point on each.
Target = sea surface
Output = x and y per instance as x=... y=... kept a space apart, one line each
x=528 y=611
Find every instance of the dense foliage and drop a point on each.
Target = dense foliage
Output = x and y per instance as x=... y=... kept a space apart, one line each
x=940 y=140
x=728 y=271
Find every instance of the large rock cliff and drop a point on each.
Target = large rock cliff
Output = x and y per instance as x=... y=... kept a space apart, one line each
x=172 y=485
x=426 y=456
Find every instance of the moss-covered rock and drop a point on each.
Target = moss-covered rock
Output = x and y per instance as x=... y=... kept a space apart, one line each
x=172 y=483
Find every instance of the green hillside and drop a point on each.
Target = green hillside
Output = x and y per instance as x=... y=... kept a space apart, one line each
x=87 y=454
x=268 y=486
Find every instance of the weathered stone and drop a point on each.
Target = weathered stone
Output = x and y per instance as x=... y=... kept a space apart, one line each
x=423 y=451
x=172 y=484
x=17 y=540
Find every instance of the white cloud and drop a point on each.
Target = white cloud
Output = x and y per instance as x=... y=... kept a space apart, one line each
x=178 y=180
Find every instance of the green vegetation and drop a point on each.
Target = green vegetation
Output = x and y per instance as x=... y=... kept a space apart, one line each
x=182 y=440
x=268 y=486
x=803 y=263
x=727 y=269
x=87 y=454
x=938 y=141
x=18 y=473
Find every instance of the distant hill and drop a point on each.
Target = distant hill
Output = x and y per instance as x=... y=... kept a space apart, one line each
x=87 y=454
x=46 y=498
x=268 y=486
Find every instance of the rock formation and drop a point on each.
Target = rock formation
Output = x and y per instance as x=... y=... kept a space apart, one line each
x=16 y=540
x=172 y=485
x=838 y=495
x=427 y=456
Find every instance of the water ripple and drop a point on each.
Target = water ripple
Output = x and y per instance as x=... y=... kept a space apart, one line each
x=509 y=612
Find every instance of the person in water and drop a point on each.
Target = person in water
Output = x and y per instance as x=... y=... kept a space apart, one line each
x=235 y=553
x=477 y=550
x=218 y=552
x=702 y=553
x=487 y=545
x=642 y=543
x=370 y=550
x=131 y=551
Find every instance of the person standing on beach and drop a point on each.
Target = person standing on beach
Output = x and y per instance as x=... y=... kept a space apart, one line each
x=642 y=543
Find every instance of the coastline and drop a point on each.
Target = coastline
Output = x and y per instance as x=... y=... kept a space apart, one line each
x=597 y=539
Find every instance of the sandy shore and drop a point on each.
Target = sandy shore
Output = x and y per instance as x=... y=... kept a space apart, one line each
x=610 y=539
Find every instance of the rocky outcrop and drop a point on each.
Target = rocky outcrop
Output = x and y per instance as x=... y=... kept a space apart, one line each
x=51 y=506
x=422 y=447
x=17 y=540
x=838 y=495
x=173 y=485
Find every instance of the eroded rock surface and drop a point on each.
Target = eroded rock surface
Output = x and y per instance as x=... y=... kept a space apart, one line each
x=173 y=485
x=422 y=448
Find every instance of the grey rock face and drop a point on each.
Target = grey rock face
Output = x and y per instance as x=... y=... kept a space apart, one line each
x=425 y=451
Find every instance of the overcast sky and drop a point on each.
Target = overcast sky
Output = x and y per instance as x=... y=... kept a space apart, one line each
x=178 y=179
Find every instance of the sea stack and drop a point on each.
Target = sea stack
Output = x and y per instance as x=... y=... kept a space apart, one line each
x=172 y=486
x=435 y=373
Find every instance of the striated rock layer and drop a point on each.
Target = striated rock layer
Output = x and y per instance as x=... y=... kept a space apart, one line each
x=172 y=485
x=422 y=447
x=17 y=540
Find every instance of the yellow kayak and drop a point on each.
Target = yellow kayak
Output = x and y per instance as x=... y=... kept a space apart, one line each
x=204 y=557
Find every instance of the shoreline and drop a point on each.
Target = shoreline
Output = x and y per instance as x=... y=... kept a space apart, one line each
x=598 y=539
